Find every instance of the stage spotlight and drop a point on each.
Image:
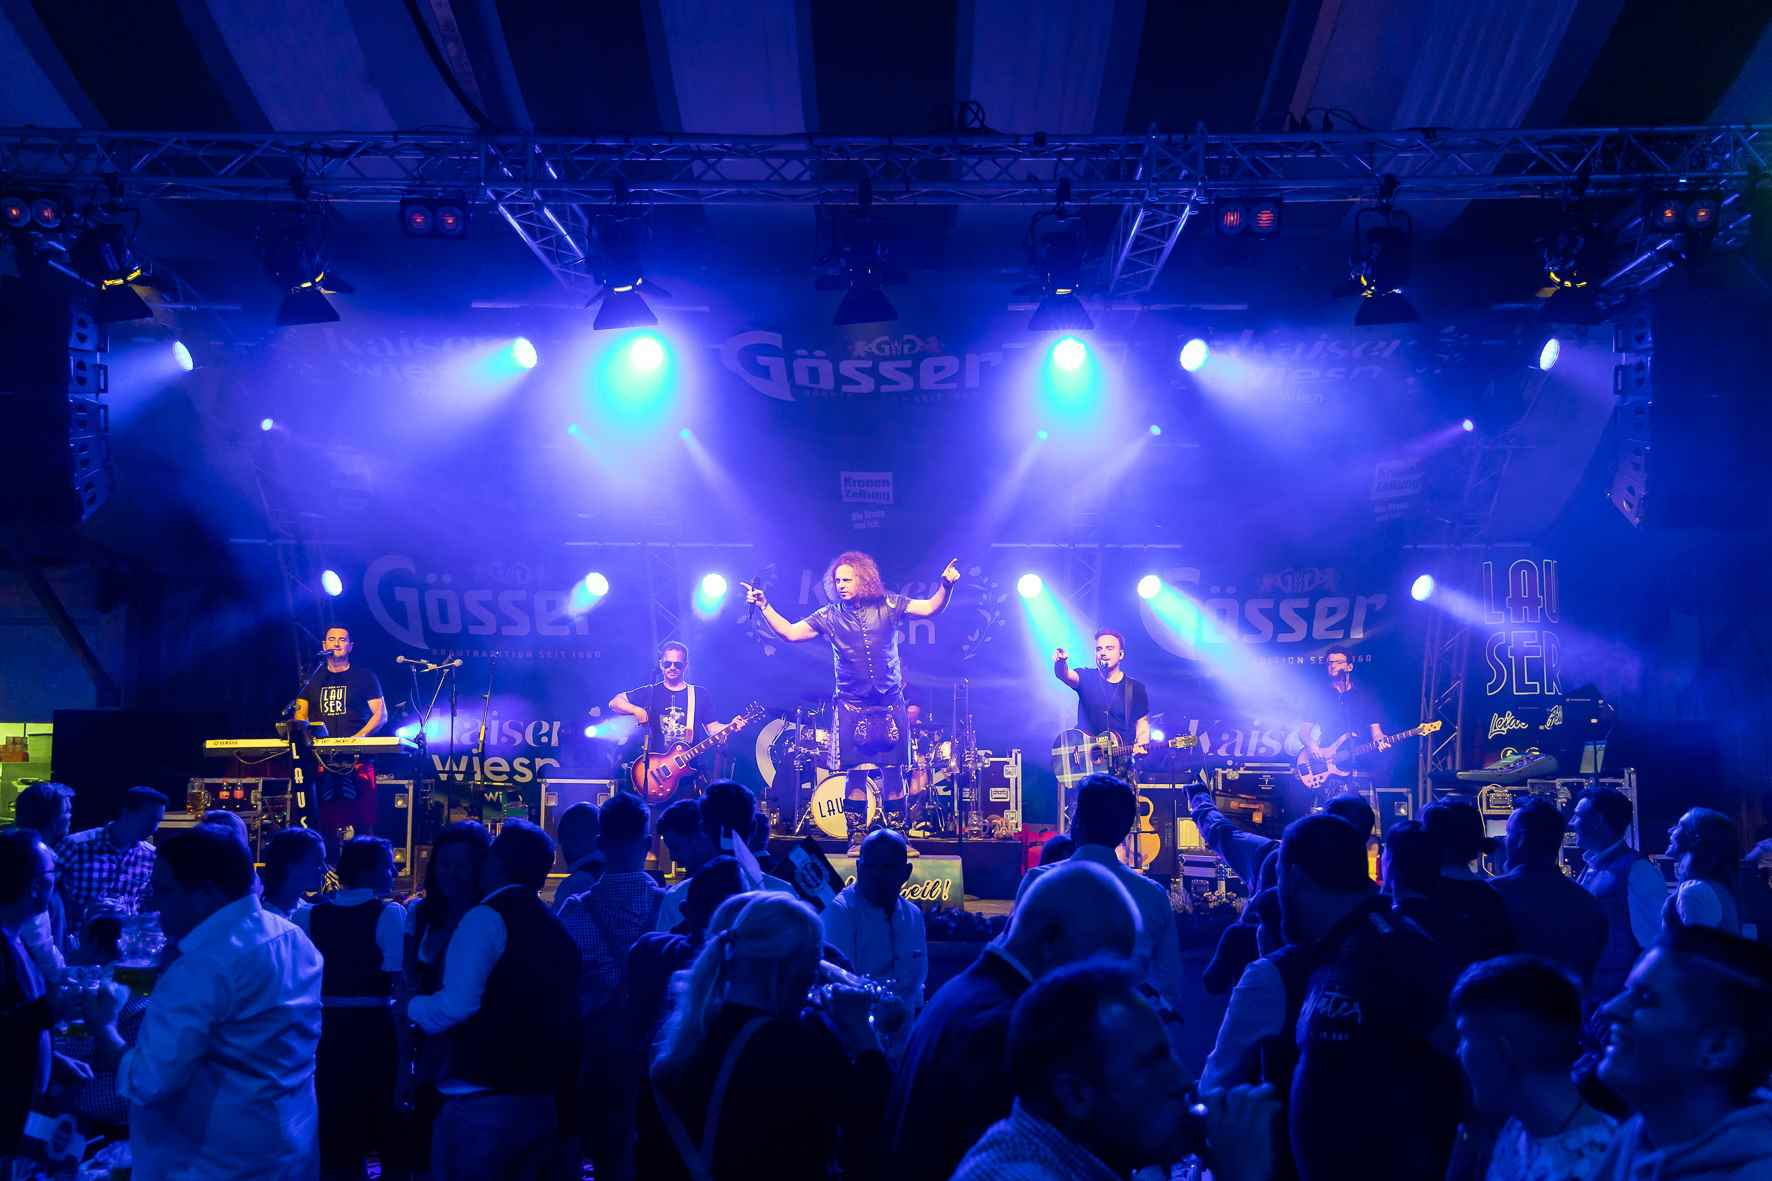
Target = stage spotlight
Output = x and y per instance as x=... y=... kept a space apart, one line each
x=1548 y=353
x=1070 y=353
x=331 y=583
x=1060 y=311
x=15 y=212
x=1467 y=425
x=417 y=218
x=710 y=593
x=623 y=307
x=46 y=212
x=523 y=352
x=267 y=424
x=596 y=585
x=591 y=731
x=645 y=354
x=1264 y=217
x=623 y=276
x=306 y=304
x=1422 y=589
x=864 y=303
x=1149 y=586
x=293 y=248
x=1194 y=354
x=102 y=256
x=1231 y=218
x=182 y=356
x=1155 y=430
x=1157 y=735
x=685 y=434
x=861 y=264
x=452 y=219
x=1057 y=244
x=1029 y=586
x=1381 y=262
x=1042 y=435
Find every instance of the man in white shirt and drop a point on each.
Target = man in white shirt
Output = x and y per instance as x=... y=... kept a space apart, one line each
x=879 y=932
x=220 y=1081
x=509 y=1006
x=1106 y=810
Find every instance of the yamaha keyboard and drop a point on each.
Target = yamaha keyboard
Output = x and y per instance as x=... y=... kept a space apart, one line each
x=375 y=744
x=230 y=748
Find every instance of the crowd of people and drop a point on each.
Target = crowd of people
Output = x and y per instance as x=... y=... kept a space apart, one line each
x=1430 y=1022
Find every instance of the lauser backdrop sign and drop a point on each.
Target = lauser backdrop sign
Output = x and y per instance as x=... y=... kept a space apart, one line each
x=1521 y=669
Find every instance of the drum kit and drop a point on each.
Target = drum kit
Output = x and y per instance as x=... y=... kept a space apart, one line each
x=929 y=796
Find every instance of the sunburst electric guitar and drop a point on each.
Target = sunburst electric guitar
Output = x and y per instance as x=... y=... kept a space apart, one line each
x=656 y=777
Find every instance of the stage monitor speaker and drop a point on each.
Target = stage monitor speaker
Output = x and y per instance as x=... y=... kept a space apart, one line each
x=102 y=753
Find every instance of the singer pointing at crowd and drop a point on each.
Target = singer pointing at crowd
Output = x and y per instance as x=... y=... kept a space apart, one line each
x=861 y=621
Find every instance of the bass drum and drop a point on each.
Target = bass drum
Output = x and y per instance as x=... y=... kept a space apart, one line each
x=827 y=804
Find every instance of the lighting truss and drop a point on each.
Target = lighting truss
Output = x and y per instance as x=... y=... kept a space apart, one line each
x=537 y=181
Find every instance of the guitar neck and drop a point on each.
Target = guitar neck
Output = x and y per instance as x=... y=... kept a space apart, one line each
x=1368 y=747
x=713 y=740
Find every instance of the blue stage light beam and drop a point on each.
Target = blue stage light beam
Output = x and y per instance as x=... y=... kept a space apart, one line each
x=1422 y=589
x=523 y=353
x=1029 y=586
x=1194 y=354
x=1069 y=354
x=1185 y=627
x=710 y=595
x=1150 y=586
x=181 y=356
x=587 y=592
x=331 y=583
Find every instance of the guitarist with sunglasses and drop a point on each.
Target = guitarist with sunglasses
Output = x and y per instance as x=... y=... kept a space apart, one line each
x=671 y=710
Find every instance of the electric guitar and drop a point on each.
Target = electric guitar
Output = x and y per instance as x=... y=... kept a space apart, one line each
x=1314 y=769
x=655 y=777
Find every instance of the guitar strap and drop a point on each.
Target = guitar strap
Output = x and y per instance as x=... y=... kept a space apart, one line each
x=689 y=729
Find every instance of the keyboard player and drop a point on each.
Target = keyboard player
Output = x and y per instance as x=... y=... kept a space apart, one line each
x=348 y=700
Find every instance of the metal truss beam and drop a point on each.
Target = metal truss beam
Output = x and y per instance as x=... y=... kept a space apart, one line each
x=1142 y=243
x=976 y=169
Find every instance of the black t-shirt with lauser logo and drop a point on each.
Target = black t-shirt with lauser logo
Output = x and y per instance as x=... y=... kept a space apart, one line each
x=341 y=700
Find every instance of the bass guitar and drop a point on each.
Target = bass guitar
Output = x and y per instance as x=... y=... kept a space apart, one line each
x=655 y=777
x=1316 y=768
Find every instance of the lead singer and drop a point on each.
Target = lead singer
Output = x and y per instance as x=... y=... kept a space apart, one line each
x=861 y=622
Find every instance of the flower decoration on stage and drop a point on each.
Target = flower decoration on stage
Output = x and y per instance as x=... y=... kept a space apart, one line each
x=988 y=600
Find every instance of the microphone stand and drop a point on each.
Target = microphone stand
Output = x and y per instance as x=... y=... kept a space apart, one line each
x=479 y=755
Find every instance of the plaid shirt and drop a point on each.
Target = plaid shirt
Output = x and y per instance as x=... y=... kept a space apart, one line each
x=91 y=865
x=1026 y=1148
x=605 y=921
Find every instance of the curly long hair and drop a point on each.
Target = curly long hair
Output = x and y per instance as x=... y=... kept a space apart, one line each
x=867 y=576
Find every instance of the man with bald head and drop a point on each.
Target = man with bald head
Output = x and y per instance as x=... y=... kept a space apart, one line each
x=952 y=1082
x=874 y=926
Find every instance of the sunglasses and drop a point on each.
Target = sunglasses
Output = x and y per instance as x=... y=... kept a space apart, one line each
x=672 y=663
